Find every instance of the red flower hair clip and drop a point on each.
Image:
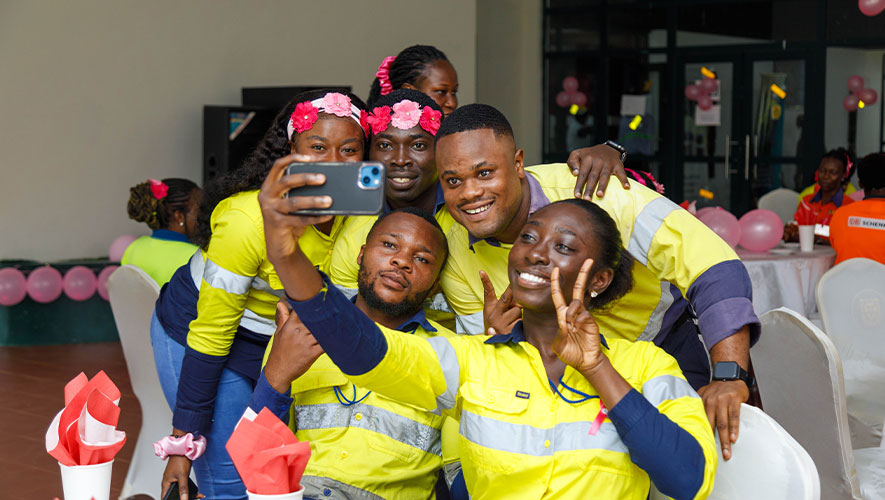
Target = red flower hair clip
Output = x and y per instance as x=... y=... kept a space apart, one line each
x=379 y=119
x=364 y=123
x=304 y=116
x=430 y=119
x=159 y=189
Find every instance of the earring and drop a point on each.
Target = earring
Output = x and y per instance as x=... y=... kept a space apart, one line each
x=181 y=223
x=593 y=294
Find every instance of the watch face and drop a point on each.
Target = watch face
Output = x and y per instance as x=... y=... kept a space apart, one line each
x=726 y=370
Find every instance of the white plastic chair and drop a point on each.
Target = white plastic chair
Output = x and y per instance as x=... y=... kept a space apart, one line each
x=781 y=201
x=766 y=464
x=132 y=295
x=851 y=301
x=800 y=381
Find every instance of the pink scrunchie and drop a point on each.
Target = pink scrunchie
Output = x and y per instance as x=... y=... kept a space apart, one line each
x=383 y=75
x=185 y=445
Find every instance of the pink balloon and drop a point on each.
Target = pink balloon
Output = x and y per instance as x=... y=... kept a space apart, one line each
x=855 y=83
x=871 y=7
x=724 y=224
x=13 y=286
x=850 y=102
x=103 y=280
x=868 y=96
x=705 y=102
x=119 y=246
x=570 y=84
x=761 y=230
x=692 y=92
x=708 y=85
x=79 y=283
x=563 y=100
x=45 y=284
x=579 y=98
x=706 y=210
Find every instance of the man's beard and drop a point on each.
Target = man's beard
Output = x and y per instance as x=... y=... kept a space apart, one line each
x=407 y=307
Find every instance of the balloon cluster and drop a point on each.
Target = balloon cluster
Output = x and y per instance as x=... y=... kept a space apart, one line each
x=702 y=92
x=871 y=7
x=758 y=230
x=46 y=284
x=859 y=96
x=570 y=94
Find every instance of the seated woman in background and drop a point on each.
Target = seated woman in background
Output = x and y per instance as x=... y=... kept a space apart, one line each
x=841 y=155
x=553 y=409
x=169 y=207
x=828 y=192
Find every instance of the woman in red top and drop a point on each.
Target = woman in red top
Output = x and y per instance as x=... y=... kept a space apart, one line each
x=829 y=192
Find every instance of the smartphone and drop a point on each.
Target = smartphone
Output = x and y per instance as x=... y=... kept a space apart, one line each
x=356 y=188
x=173 y=494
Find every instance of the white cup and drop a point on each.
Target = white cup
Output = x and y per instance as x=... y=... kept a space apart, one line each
x=806 y=238
x=295 y=495
x=85 y=482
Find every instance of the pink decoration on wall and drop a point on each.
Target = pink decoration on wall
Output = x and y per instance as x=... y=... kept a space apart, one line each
x=855 y=83
x=119 y=246
x=850 y=102
x=579 y=98
x=79 y=283
x=692 y=92
x=871 y=7
x=45 y=284
x=705 y=102
x=13 y=286
x=570 y=84
x=102 y=284
x=868 y=96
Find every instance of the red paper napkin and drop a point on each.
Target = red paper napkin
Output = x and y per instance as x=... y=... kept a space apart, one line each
x=85 y=431
x=266 y=453
x=805 y=216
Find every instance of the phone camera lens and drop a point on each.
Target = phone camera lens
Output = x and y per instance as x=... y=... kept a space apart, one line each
x=375 y=171
x=367 y=180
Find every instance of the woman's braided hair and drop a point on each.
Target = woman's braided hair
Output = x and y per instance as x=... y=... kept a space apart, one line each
x=407 y=68
x=144 y=207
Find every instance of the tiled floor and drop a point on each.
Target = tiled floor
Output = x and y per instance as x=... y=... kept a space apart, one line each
x=32 y=381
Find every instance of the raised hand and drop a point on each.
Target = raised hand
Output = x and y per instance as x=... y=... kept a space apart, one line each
x=499 y=315
x=594 y=167
x=577 y=343
x=281 y=228
x=293 y=352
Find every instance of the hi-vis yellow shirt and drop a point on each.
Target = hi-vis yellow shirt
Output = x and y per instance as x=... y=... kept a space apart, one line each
x=363 y=444
x=239 y=286
x=518 y=439
x=652 y=228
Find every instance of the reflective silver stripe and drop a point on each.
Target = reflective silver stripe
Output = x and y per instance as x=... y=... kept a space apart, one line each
x=451 y=369
x=646 y=225
x=527 y=440
x=327 y=488
x=197 y=266
x=222 y=279
x=439 y=303
x=451 y=471
x=263 y=286
x=348 y=292
x=258 y=324
x=665 y=388
x=372 y=418
x=653 y=327
x=470 y=323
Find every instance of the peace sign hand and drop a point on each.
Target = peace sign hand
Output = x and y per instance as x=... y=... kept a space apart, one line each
x=577 y=343
x=499 y=315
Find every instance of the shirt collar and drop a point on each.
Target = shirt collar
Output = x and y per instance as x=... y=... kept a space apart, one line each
x=411 y=324
x=837 y=198
x=537 y=201
x=165 y=234
x=438 y=205
x=517 y=335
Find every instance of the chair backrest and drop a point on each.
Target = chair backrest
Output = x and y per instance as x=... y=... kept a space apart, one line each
x=132 y=296
x=781 y=201
x=800 y=380
x=767 y=464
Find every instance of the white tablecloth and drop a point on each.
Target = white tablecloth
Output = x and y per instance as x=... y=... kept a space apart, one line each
x=787 y=277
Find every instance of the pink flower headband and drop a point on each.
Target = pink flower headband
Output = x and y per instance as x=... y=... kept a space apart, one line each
x=159 y=188
x=383 y=75
x=406 y=114
x=306 y=113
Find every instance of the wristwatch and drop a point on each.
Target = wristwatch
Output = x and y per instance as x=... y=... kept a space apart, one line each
x=617 y=147
x=730 y=370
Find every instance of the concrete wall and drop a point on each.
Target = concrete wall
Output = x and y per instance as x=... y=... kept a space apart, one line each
x=509 y=66
x=99 y=95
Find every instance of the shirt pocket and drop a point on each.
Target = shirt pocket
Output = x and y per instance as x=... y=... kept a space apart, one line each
x=493 y=427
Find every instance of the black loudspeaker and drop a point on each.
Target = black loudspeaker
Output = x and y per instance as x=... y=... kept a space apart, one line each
x=230 y=133
x=277 y=97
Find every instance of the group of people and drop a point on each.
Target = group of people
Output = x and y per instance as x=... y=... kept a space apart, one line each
x=500 y=330
x=854 y=221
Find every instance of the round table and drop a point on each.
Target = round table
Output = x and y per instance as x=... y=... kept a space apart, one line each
x=786 y=277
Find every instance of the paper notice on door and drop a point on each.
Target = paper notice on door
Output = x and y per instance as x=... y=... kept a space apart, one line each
x=632 y=105
x=708 y=118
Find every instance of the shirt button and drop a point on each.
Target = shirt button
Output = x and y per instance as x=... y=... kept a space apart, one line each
x=547 y=444
x=327 y=492
x=343 y=454
x=358 y=416
x=492 y=399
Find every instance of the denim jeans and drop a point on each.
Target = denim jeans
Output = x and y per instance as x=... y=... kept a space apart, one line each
x=216 y=476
